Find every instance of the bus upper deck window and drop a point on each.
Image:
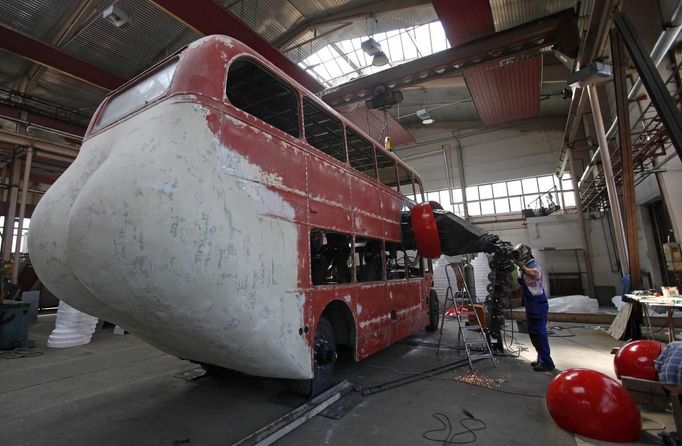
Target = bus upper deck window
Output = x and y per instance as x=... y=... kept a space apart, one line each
x=258 y=92
x=360 y=154
x=138 y=95
x=322 y=131
x=386 y=167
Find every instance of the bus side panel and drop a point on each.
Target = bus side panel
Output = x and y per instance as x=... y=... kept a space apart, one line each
x=373 y=318
x=366 y=206
x=391 y=211
x=405 y=298
x=328 y=190
x=284 y=163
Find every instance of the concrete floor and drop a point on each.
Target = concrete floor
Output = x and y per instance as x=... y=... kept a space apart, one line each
x=120 y=391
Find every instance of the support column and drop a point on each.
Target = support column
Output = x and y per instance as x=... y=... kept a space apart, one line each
x=462 y=180
x=623 y=110
x=22 y=212
x=608 y=179
x=8 y=235
x=584 y=236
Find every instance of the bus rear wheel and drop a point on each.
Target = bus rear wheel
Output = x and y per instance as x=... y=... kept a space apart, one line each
x=324 y=357
x=434 y=310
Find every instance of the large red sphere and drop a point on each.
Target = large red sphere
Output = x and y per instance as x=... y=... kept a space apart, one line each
x=636 y=359
x=591 y=404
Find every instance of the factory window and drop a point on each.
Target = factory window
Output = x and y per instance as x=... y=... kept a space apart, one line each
x=322 y=131
x=512 y=196
x=330 y=259
x=255 y=90
x=386 y=167
x=360 y=154
x=368 y=260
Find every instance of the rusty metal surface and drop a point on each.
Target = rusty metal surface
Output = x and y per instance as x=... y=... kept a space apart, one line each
x=506 y=45
x=506 y=93
x=501 y=92
x=465 y=21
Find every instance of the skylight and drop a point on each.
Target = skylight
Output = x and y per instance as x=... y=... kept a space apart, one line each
x=343 y=61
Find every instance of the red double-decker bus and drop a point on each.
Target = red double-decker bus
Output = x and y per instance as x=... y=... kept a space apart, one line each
x=226 y=215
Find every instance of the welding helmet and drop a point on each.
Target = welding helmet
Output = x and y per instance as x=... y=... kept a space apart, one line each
x=522 y=252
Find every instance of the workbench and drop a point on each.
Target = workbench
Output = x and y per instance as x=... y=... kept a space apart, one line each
x=670 y=303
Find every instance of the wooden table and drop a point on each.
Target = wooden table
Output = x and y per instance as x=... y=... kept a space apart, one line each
x=670 y=303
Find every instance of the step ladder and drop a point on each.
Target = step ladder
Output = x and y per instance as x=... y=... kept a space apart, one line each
x=475 y=336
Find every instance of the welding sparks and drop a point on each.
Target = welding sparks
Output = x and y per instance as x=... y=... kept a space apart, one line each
x=477 y=379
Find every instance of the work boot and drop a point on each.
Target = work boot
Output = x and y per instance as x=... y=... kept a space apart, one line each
x=543 y=367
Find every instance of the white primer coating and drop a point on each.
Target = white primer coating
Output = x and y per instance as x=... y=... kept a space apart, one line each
x=161 y=229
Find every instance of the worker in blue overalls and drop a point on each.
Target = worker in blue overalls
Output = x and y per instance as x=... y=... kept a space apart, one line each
x=535 y=301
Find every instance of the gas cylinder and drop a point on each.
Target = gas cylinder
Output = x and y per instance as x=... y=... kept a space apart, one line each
x=469 y=278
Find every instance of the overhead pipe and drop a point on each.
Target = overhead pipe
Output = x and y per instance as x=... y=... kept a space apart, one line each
x=663 y=44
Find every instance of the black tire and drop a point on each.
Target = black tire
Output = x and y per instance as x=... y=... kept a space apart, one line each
x=324 y=357
x=434 y=311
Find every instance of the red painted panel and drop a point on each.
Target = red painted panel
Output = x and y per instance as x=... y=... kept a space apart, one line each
x=506 y=93
x=328 y=182
x=365 y=196
x=464 y=20
x=368 y=225
x=391 y=206
x=330 y=216
x=282 y=163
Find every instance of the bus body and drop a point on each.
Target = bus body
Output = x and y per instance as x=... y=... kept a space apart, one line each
x=201 y=215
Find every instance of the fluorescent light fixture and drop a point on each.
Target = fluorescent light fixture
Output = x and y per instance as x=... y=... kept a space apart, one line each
x=116 y=16
x=373 y=48
x=379 y=59
x=425 y=116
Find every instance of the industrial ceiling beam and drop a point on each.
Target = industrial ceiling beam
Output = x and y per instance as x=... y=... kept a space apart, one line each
x=343 y=14
x=208 y=17
x=505 y=45
x=37 y=119
x=61 y=150
x=80 y=12
x=591 y=45
x=56 y=58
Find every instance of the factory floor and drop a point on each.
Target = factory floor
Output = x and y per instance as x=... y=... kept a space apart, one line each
x=117 y=390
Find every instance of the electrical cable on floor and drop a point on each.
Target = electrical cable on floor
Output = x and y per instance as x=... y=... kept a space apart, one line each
x=470 y=424
x=18 y=353
x=515 y=353
x=454 y=379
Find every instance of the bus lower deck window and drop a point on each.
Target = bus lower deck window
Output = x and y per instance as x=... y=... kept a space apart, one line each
x=368 y=260
x=330 y=257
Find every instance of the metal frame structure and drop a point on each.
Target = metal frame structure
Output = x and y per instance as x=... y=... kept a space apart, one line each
x=516 y=42
x=659 y=95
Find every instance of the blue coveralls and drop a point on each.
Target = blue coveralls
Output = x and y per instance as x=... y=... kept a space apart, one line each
x=536 y=314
